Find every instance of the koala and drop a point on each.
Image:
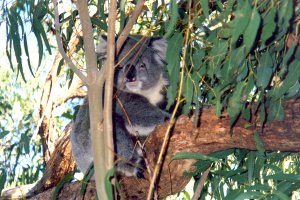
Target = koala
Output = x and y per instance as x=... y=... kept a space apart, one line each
x=139 y=82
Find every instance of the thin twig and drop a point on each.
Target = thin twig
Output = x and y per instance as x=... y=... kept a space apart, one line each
x=135 y=14
x=201 y=184
x=172 y=121
x=60 y=46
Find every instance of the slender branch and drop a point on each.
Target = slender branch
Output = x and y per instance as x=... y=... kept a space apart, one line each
x=60 y=46
x=163 y=149
x=135 y=14
x=109 y=76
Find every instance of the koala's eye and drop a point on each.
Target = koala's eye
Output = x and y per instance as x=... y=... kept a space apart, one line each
x=143 y=66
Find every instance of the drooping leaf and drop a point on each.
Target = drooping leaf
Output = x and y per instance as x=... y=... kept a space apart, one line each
x=250 y=166
x=269 y=25
x=173 y=59
x=205 y=7
x=196 y=156
x=188 y=91
x=291 y=78
x=264 y=71
x=235 y=104
x=3 y=177
x=276 y=111
x=66 y=179
x=108 y=185
x=173 y=20
x=259 y=143
x=241 y=20
x=27 y=54
x=252 y=29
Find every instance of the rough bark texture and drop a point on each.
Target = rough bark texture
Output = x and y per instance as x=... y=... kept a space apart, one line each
x=212 y=135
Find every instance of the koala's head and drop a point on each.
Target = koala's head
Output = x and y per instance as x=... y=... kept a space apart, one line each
x=140 y=63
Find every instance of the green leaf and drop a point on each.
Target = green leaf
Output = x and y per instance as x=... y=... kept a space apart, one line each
x=195 y=156
x=205 y=7
x=259 y=143
x=188 y=91
x=99 y=23
x=249 y=195
x=66 y=179
x=38 y=25
x=293 y=91
x=173 y=20
x=264 y=71
x=27 y=54
x=269 y=26
x=173 y=59
x=285 y=13
x=281 y=195
x=284 y=177
x=250 y=166
x=276 y=111
x=233 y=194
x=218 y=54
x=88 y=175
x=3 y=134
x=291 y=78
x=39 y=42
x=3 y=176
x=241 y=20
x=107 y=183
x=251 y=30
x=235 y=103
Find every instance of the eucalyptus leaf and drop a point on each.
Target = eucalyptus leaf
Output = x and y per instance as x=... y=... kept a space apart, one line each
x=264 y=71
x=252 y=29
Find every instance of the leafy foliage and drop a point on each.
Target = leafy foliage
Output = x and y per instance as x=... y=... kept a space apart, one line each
x=237 y=56
x=245 y=174
x=20 y=156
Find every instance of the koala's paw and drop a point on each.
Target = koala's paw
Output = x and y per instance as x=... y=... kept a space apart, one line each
x=134 y=167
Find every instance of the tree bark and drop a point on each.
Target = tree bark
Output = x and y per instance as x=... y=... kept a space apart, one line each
x=212 y=135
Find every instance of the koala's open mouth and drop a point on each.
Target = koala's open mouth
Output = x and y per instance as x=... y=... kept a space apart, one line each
x=134 y=85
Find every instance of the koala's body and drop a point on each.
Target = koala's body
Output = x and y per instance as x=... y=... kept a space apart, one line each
x=137 y=105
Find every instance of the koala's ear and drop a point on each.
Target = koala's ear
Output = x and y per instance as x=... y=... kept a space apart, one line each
x=159 y=45
x=101 y=48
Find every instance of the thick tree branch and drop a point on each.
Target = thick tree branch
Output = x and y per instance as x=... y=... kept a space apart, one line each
x=95 y=91
x=212 y=135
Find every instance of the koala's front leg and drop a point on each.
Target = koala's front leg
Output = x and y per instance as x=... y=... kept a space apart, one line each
x=130 y=160
x=141 y=117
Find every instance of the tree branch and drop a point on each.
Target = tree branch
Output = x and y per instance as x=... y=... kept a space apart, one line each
x=60 y=46
x=135 y=14
x=95 y=92
x=213 y=135
x=109 y=83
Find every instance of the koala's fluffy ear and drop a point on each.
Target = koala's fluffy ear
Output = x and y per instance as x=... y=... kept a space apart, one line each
x=159 y=45
x=102 y=47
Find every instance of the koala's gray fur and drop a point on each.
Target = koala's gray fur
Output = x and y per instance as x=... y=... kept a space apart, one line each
x=139 y=82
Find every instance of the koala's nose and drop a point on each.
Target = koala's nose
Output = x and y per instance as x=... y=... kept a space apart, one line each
x=130 y=73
